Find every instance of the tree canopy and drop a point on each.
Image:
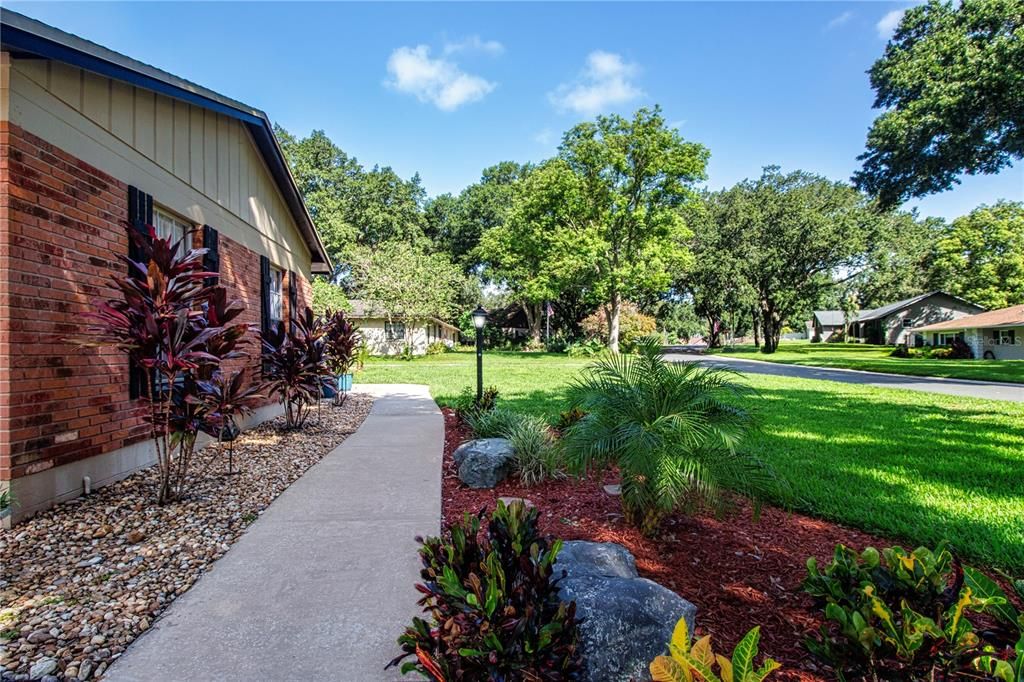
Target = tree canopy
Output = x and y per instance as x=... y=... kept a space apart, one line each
x=951 y=87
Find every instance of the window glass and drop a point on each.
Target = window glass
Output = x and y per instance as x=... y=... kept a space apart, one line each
x=1006 y=337
x=169 y=227
x=394 y=331
x=907 y=323
x=276 y=294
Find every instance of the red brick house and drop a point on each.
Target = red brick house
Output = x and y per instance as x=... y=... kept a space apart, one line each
x=92 y=141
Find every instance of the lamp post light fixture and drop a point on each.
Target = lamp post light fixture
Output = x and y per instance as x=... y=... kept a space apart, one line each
x=479 y=319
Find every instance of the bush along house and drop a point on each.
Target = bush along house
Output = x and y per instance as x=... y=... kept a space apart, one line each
x=93 y=143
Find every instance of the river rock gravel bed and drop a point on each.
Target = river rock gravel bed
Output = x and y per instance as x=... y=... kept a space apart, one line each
x=80 y=581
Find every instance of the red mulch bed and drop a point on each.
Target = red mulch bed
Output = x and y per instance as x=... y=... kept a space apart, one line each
x=738 y=572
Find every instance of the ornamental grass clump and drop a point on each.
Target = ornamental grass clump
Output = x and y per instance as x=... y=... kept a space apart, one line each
x=175 y=330
x=671 y=430
x=492 y=604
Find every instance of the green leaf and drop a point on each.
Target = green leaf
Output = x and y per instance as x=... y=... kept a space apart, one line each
x=996 y=601
x=744 y=653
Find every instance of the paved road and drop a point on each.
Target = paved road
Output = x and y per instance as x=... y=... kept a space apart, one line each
x=321 y=585
x=993 y=390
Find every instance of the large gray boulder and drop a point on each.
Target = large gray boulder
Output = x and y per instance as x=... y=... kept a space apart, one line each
x=627 y=620
x=485 y=462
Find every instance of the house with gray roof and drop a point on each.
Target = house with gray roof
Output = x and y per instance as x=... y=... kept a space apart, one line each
x=894 y=324
x=825 y=324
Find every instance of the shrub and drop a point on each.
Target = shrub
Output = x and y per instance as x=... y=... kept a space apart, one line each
x=685 y=662
x=533 y=346
x=176 y=331
x=585 y=349
x=557 y=343
x=492 y=603
x=340 y=342
x=294 y=368
x=437 y=348
x=227 y=398
x=568 y=418
x=536 y=451
x=902 y=613
x=5 y=500
x=900 y=352
x=633 y=326
x=327 y=297
x=467 y=404
x=492 y=423
x=959 y=350
x=669 y=428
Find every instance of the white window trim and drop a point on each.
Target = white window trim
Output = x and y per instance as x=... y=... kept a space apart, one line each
x=169 y=225
x=276 y=312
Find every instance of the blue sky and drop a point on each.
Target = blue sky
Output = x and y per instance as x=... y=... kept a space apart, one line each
x=448 y=89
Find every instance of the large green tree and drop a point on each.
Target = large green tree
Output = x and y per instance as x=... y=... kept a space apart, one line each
x=981 y=256
x=534 y=252
x=350 y=205
x=796 y=236
x=628 y=180
x=899 y=261
x=951 y=84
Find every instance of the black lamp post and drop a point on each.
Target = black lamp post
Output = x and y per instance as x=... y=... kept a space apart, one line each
x=479 y=319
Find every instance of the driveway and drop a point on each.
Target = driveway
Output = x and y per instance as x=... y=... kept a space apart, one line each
x=992 y=390
x=322 y=584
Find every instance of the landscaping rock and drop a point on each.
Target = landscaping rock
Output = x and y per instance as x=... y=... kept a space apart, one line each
x=485 y=462
x=627 y=620
x=85 y=578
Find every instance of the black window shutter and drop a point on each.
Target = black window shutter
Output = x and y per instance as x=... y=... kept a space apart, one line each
x=264 y=294
x=293 y=299
x=211 y=261
x=140 y=216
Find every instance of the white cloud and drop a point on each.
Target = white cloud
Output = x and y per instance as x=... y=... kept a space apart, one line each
x=435 y=80
x=887 y=24
x=474 y=44
x=606 y=82
x=838 y=21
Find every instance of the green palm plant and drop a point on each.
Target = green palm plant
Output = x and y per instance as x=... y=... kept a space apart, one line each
x=669 y=427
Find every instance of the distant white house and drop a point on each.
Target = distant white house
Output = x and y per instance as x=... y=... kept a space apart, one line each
x=390 y=337
x=825 y=324
x=995 y=335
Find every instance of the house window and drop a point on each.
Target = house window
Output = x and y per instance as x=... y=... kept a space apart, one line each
x=1005 y=337
x=907 y=323
x=946 y=338
x=394 y=331
x=168 y=226
x=276 y=295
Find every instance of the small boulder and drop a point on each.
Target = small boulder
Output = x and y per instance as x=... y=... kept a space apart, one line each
x=626 y=620
x=485 y=462
x=42 y=667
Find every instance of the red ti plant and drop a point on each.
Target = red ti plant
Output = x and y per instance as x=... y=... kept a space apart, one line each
x=177 y=330
x=294 y=368
x=340 y=340
x=225 y=398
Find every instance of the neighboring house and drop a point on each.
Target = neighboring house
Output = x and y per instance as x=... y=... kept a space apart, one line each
x=390 y=336
x=825 y=324
x=92 y=142
x=995 y=335
x=894 y=323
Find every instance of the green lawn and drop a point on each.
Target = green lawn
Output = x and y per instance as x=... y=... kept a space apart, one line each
x=876 y=359
x=917 y=466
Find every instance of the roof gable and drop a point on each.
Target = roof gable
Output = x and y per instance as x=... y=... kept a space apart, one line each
x=1004 y=317
x=23 y=35
x=889 y=309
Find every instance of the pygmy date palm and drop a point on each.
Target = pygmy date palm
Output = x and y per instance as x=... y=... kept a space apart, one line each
x=669 y=427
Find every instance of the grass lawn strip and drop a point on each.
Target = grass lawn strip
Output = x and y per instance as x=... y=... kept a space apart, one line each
x=916 y=466
x=82 y=580
x=869 y=358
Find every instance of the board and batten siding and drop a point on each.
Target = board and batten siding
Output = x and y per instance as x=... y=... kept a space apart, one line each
x=196 y=162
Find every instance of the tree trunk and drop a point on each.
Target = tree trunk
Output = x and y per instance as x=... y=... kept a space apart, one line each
x=772 y=326
x=614 y=308
x=714 y=333
x=533 y=320
x=756 y=325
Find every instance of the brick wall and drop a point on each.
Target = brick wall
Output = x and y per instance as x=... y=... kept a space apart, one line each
x=61 y=226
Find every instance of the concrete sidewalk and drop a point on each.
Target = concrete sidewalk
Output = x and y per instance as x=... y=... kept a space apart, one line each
x=321 y=585
x=991 y=390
